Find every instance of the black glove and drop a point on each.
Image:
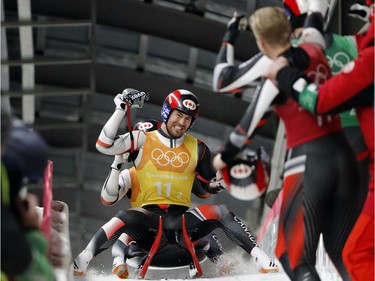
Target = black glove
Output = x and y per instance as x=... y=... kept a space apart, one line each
x=286 y=79
x=217 y=184
x=134 y=97
x=234 y=26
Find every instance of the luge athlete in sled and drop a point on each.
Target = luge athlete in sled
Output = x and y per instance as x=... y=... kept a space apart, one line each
x=166 y=165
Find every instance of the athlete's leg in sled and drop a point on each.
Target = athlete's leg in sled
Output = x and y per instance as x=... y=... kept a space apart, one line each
x=200 y=221
x=204 y=219
x=106 y=236
x=120 y=236
x=174 y=249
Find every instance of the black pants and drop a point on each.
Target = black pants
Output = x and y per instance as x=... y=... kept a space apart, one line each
x=321 y=195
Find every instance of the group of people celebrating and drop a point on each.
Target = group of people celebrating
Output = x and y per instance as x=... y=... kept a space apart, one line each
x=328 y=171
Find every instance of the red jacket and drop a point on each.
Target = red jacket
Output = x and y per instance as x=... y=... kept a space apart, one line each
x=355 y=77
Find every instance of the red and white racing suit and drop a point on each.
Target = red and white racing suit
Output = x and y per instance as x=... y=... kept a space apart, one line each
x=343 y=90
x=320 y=171
x=138 y=222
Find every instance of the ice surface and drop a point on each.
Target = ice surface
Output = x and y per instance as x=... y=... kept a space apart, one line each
x=232 y=266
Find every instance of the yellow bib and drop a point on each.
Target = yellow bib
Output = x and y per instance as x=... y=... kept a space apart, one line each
x=165 y=174
x=136 y=199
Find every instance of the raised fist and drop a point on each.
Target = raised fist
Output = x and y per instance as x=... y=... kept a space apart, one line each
x=119 y=102
x=234 y=26
x=134 y=97
x=237 y=23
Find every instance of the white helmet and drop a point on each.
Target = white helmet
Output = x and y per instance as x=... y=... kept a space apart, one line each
x=247 y=177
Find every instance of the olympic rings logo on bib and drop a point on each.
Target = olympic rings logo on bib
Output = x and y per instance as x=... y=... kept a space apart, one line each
x=189 y=104
x=165 y=158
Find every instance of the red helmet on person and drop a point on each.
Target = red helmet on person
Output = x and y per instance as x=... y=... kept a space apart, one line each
x=181 y=100
x=296 y=11
x=296 y=7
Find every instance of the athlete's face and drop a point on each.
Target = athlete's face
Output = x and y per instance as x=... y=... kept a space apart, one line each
x=178 y=123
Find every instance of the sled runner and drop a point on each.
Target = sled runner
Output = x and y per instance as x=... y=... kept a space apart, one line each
x=171 y=249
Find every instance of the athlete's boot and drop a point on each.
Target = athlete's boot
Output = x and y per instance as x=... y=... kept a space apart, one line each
x=215 y=249
x=119 y=268
x=263 y=262
x=81 y=262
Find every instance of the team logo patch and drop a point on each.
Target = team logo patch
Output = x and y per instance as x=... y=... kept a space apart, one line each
x=189 y=104
x=240 y=171
x=244 y=180
x=144 y=126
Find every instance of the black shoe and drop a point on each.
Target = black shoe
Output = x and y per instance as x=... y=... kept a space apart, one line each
x=215 y=249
